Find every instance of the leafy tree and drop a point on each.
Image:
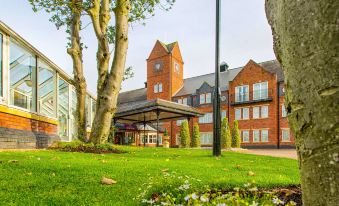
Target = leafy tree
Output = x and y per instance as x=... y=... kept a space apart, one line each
x=195 y=136
x=109 y=34
x=226 y=139
x=184 y=134
x=305 y=35
x=236 y=141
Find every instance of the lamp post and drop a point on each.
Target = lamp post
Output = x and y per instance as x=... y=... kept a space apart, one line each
x=216 y=99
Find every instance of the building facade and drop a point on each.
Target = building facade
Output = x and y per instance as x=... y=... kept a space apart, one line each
x=37 y=98
x=253 y=95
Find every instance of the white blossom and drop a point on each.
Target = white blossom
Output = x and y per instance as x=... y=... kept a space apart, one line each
x=254 y=204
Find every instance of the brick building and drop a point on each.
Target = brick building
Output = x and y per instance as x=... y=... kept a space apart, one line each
x=252 y=94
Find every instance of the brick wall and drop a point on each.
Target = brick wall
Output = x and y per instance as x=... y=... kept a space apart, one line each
x=22 y=132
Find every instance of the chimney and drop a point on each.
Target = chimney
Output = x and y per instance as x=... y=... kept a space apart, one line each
x=145 y=84
x=223 y=67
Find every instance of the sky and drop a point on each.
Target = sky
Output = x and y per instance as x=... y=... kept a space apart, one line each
x=245 y=35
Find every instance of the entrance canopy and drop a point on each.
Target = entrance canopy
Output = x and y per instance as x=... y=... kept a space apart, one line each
x=151 y=111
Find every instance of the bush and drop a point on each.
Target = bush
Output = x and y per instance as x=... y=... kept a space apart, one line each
x=184 y=134
x=79 y=146
x=195 y=136
x=236 y=141
x=226 y=139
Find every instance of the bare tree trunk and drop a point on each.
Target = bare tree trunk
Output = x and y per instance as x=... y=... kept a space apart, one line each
x=109 y=83
x=79 y=80
x=306 y=35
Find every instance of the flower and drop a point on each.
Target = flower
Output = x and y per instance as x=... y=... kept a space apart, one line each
x=194 y=196
x=277 y=201
x=187 y=198
x=204 y=199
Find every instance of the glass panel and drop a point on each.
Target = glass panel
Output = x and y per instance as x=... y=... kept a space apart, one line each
x=264 y=111
x=245 y=113
x=22 y=77
x=256 y=136
x=88 y=111
x=206 y=138
x=202 y=98
x=73 y=114
x=63 y=101
x=93 y=109
x=47 y=90
x=156 y=88
x=241 y=93
x=160 y=87
x=1 y=64
x=237 y=114
x=283 y=111
x=264 y=135
x=256 y=91
x=245 y=136
x=208 y=98
x=184 y=101
x=256 y=112
x=223 y=114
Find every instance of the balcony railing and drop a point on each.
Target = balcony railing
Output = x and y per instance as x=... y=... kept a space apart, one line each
x=251 y=97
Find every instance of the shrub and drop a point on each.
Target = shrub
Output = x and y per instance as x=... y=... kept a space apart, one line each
x=195 y=136
x=236 y=141
x=79 y=146
x=184 y=134
x=165 y=133
x=226 y=139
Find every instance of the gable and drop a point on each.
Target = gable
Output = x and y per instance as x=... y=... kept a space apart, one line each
x=176 y=53
x=158 y=50
x=205 y=88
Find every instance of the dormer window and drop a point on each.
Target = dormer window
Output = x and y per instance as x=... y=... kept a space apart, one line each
x=158 y=88
x=205 y=98
x=183 y=101
x=177 y=67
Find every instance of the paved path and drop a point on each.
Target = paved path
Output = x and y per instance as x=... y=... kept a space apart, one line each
x=288 y=153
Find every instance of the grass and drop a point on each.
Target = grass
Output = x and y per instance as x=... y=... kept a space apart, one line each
x=65 y=178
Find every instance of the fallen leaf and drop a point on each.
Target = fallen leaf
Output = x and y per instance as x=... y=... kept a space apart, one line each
x=165 y=170
x=250 y=173
x=107 y=181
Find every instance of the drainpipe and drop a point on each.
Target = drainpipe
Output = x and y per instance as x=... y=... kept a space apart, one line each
x=278 y=113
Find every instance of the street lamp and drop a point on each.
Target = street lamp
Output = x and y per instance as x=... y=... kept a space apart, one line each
x=216 y=99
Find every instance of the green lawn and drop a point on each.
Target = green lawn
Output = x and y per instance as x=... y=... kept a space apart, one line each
x=64 y=178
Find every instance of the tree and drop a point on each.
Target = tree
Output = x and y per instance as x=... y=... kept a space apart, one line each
x=226 y=139
x=305 y=35
x=184 y=134
x=236 y=141
x=195 y=136
x=100 y=11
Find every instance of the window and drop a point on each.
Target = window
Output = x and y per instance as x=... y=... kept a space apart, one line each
x=207 y=118
x=241 y=93
x=208 y=98
x=283 y=111
x=22 y=77
x=264 y=111
x=246 y=136
x=256 y=112
x=260 y=90
x=238 y=114
x=88 y=111
x=285 y=133
x=47 y=90
x=256 y=136
x=1 y=94
x=264 y=135
x=206 y=138
x=63 y=101
x=157 y=88
x=151 y=139
x=205 y=98
x=223 y=114
x=182 y=101
x=73 y=131
x=245 y=113
x=180 y=121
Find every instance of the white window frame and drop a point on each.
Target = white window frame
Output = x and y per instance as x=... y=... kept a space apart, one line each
x=184 y=100
x=245 y=115
x=263 y=131
x=243 y=136
x=202 y=99
x=237 y=113
x=206 y=119
x=285 y=131
x=262 y=91
x=160 y=87
x=206 y=136
x=208 y=98
x=223 y=114
x=256 y=139
x=256 y=113
x=240 y=94
x=156 y=88
x=262 y=114
x=283 y=111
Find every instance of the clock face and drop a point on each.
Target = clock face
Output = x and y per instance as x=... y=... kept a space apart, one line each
x=177 y=67
x=223 y=98
x=157 y=66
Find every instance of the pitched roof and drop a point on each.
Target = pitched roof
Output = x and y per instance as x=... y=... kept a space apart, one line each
x=168 y=47
x=194 y=83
